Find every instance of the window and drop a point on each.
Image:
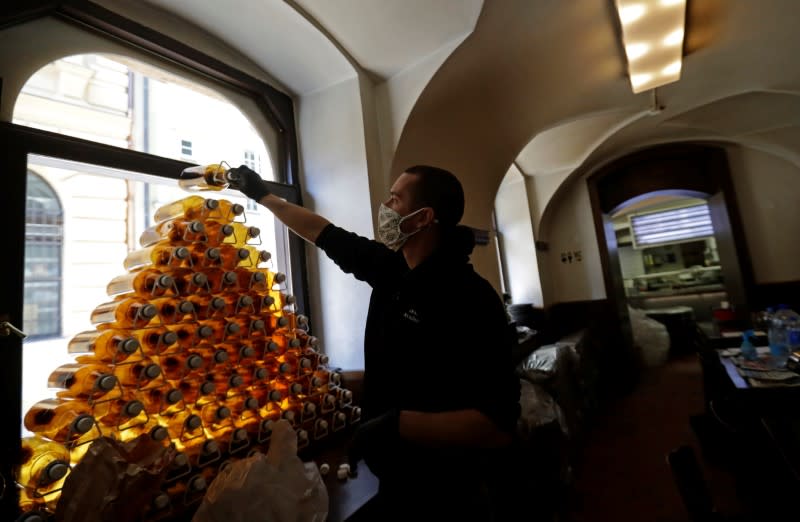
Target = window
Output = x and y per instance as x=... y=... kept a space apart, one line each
x=671 y=226
x=186 y=148
x=44 y=221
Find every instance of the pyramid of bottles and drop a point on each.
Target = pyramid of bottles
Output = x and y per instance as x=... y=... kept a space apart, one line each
x=198 y=347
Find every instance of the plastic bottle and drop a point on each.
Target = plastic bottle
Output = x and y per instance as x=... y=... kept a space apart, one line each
x=147 y=283
x=44 y=464
x=157 y=255
x=782 y=321
x=60 y=420
x=747 y=347
x=198 y=207
x=125 y=313
x=175 y=230
x=207 y=177
x=219 y=232
x=82 y=380
x=105 y=345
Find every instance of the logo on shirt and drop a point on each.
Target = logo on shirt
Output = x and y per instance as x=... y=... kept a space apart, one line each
x=411 y=315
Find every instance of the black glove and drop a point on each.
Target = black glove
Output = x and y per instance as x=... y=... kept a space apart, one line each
x=375 y=441
x=248 y=182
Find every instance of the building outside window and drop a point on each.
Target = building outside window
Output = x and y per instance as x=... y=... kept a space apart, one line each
x=186 y=148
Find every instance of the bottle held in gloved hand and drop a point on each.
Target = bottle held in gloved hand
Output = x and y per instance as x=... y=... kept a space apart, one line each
x=207 y=177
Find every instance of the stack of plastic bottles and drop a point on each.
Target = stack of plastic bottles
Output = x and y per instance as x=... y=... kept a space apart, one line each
x=198 y=347
x=783 y=332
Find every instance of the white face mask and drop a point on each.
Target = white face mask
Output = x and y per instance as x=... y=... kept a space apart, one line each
x=389 y=232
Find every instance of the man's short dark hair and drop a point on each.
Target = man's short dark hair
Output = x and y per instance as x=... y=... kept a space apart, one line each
x=439 y=189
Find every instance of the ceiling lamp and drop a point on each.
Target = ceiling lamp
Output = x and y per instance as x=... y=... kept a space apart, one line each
x=652 y=33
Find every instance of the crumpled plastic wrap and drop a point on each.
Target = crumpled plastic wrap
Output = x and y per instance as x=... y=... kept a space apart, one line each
x=537 y=408
x=276 y=487
x=114 y=481
x=547 y=362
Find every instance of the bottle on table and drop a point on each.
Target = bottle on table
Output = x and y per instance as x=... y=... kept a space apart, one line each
x=60 y=420
x=198 y=207
x=158 y=255
x=175 y=231
x=82 y=380
x=110 y=345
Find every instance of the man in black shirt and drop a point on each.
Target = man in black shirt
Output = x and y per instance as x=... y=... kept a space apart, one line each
x=440 y=398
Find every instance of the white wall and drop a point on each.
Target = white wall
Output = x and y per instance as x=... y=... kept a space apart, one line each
x=336 y=185
x=768 y=192
x=512 y=211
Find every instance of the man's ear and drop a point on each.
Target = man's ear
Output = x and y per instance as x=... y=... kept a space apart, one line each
x=426 y=217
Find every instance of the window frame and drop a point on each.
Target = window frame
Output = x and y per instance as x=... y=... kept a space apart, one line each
x=20 y=141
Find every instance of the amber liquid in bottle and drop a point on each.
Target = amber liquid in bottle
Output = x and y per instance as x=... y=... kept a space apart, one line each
x=189 y=282
x=249 y=280
x=141 y=374
x=60 y=420
x=158 y=255
x=124 y=313
x=162 y=401
x=243 y=234
x=219 y=232
x=82 y=380
x=222 y=329
x=105 y=345
x=237 y=303
x=209 y=306
x=198 y=391
x=44 y=465
x=156 y=340
x=190 y=334
x=197 y=207
x=174 y=231
x=206 y=177
x=146 y=283
x=173 y=310
x=221 y=280
x=184 y=425
x=120 y=414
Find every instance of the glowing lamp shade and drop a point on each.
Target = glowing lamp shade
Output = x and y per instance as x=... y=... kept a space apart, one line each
x=652 y=34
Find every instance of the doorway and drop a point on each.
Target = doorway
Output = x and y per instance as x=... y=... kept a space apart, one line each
x=654 y=180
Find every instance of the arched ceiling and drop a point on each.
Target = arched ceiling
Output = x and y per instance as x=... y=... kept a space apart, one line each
x=308 y=45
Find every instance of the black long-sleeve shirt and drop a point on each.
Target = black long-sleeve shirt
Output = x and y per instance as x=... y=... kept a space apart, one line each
x=437 y=338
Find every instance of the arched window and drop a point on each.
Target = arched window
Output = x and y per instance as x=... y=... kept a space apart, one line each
x=44 y=219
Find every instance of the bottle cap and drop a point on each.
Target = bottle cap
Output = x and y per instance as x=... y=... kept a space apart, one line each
x=324 y=468
x=148 y=311
x=267 y=301
x=347 y=395
x=259 y=277
x=302 y=320
x=246 y=300
x=169 y=338
x=272 y=346
x=336 y=378
x=284 y=368
x=242 y=253
x=229 y=278
x=341 y=417
x=83 y=424
x=217 y=303
x=264 y=256
x=193 y=422
x=305 y=363
x=211 y=204
x=133 y=408
x=329 y=400
x=310 y=408
x=194 y=361
x=316 y=382
x=312 y=341
x=288 y=415
x=106 y=382
x=260 y=374
x=226 y=229
x=253 y=231
x=186 y=307
x=295 y=388
x=240 y=434
x=181 y=253
x=161 y=501
x=258 y=324
x=198 y=483
x=210 y=446
x=356 y=414
x=54 y=471
x=323 y=360
x=235 y=381
x=164 y=281
x=322 y=424
x=251 y=403
x=282 y=321
x=207 y=388
x=199 y=279
x=289 y=299
x=173 y=396
x=151 y=371
x=205 y=331
x=129 y=345
x=280 y=277
x=302 y=435
x=220 y=356
x=266 y=425
x=232 y=328
x=237 y=209
x=275 y=395
x=181 y=460
x=196 y=227
x=159 y=433
x=212 y=253
x=294 y=343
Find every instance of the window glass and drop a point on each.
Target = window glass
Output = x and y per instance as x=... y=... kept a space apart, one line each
x=123 y=102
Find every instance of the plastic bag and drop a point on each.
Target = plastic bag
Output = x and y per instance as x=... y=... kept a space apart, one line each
x=537 y=408
x=277 y=487
x=114 y=481
x=650 y=336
